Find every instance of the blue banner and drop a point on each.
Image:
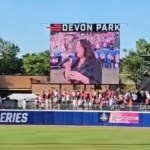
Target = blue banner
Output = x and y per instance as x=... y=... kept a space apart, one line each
x=80 y=118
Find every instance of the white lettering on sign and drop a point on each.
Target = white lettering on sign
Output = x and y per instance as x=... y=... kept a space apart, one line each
x=13 y=117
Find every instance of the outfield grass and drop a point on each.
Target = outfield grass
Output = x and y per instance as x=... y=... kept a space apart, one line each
x=73 y=138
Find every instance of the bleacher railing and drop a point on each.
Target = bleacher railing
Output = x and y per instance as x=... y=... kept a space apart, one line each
x=139 y=107
x=70 y=106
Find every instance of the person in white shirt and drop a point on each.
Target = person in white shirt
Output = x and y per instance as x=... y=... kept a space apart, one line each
x=55 y=100
x=46 y=104
x=99 y=96
x=73 y=94
x=134 y=96
x=42 y=105
x=24 y=104
x=67 y=97
x=64 y=92
x=147 y=95
x=51 y=103
x=55 y=93
x=127 y=95
x=90 y=105
x=75 y=103
x=112 y=103
x=94 y=94
x=80 y=103
x=86 y=104
x=63 y=99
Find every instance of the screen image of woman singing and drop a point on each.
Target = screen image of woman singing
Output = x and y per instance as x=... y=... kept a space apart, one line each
x=86 y=69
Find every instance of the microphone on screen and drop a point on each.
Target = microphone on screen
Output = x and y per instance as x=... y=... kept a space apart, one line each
x=66 y=59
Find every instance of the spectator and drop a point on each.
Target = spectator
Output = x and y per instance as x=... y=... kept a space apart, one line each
x=86 y=104
x=63 y=100
x=24 y=104
x=47 y=103
x=43 y=95
x=91 y=99
x=134 y=97
x=80 y=103
x=111 y=103
x=75 y=103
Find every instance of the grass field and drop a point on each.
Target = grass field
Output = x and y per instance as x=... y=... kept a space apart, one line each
x=73 y=138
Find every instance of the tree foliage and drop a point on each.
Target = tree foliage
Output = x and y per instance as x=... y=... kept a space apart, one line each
x=31 y=64
x=130 y=64
x=9 y=62
x=36 y=64
x=143 y=47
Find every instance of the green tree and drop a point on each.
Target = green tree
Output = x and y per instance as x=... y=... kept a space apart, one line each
x=9 y=62
x=36 y=64
x=143 y=47
x=130 y=64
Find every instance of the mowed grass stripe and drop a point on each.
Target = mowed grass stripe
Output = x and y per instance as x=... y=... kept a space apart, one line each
x=72 y=147
x=56 y=138
x=78 y=144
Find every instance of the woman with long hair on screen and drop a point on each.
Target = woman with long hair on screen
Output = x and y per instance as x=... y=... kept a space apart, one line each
x=85 y=69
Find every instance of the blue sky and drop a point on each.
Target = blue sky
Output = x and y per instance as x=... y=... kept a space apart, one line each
x=22 y=22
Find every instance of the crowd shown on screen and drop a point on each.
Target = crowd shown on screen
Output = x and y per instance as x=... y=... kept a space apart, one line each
x=108 y=56
x=86 y=100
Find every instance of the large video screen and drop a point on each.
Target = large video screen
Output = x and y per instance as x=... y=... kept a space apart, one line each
x=85 y=53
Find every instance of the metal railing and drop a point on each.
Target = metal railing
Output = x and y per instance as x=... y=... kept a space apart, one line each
x=139 y=107
x=69 y=106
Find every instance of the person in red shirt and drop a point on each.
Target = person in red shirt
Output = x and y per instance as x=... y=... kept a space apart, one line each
x=82 y=94
x=85 y=94
x=43 y=95
x=88 y=95
x=49 y=94
x=147 y=101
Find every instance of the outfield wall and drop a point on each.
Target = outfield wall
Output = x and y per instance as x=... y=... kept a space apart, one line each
x=79 y=118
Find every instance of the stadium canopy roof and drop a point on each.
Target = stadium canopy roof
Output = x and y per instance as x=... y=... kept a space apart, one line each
x=21 y=97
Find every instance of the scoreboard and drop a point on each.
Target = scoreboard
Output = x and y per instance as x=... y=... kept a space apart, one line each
x=85 y=27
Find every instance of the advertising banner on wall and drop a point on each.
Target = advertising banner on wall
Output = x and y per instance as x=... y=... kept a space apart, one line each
x=121 y=117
